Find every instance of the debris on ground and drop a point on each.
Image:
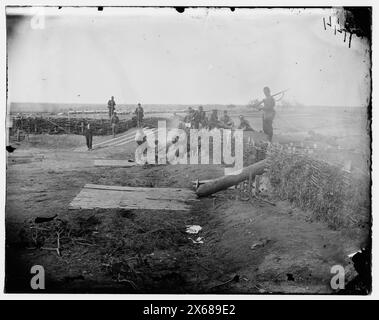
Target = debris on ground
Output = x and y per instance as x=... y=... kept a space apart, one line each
x=193 y=229
x=236 y=278
x=44 y=219
x=260 y=243
x=198 y=240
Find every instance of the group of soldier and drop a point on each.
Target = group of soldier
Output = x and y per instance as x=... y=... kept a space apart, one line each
x=197 y=119
x=114 y=120
x=139 y=114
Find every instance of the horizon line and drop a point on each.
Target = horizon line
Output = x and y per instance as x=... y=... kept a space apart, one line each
x=182 y=104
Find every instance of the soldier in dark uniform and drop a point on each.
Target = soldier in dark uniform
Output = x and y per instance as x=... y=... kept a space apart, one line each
x=268 y=113
x=139 y=115
x=203 y=120
x=114 y=122
x=88 y=134
x=189 y=115
x=190 y=118
x=213 y=120
x=226 y=120
x=199 y=118
x=244 y=124
x=111 y=106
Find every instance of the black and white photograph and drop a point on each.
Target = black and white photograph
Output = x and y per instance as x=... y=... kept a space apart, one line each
x=188 y=150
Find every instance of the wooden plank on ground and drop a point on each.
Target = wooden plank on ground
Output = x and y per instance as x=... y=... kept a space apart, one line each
x=26 y=155
x=110 y=197
x=172 y=193
x=114 y=163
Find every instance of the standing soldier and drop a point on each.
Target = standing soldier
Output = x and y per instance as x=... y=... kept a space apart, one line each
x=114 y=122
x=139 y=115
x=111 y=106
x=268 y=113
x=199 y=118
x=196 y=119
x=202 y=117
x=88 y=134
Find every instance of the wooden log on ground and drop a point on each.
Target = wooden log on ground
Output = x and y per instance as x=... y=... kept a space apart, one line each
x=225 y=182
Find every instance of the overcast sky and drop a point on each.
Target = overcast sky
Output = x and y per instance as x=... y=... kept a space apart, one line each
x=200 y=56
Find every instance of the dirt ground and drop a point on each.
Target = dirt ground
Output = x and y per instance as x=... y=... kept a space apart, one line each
x=248 y=246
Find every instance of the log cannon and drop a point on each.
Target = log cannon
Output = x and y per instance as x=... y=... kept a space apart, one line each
x=216 y=185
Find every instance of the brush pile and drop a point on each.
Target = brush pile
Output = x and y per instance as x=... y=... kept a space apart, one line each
x=53 y=125
x=331 y=194
x=255 y=152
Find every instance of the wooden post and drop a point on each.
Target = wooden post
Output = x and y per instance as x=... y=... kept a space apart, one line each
x=69 y=123
x=250 y=186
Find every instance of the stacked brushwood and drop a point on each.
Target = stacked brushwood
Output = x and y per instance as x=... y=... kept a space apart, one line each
x=330 y=193
x=64 y=125
x=255 y=152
